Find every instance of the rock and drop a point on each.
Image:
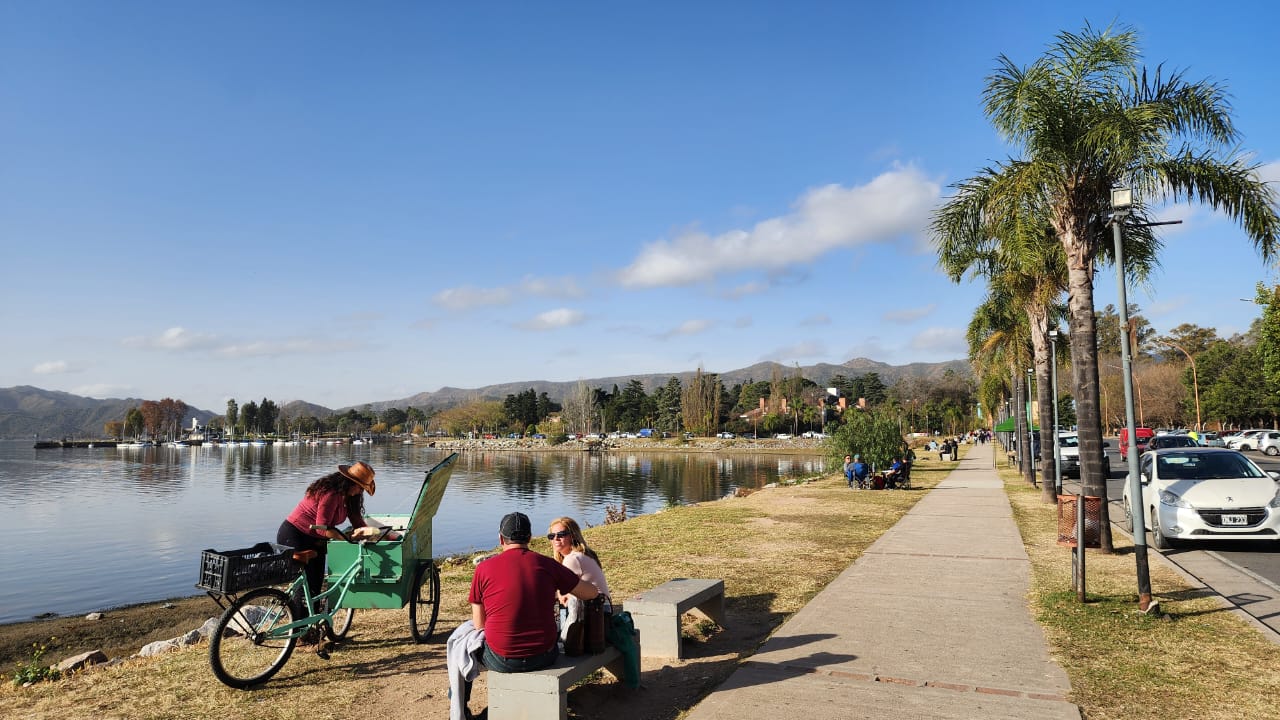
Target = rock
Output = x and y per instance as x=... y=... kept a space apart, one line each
x=190 y=638
x=93 y=616
x=158 y=647
x=206 y=630
x=77 y=662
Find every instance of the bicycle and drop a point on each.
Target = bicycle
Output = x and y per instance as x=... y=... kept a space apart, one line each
x=259 y=630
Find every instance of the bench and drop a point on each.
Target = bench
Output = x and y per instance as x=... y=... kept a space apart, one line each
x=657 y=612
x=543 y=694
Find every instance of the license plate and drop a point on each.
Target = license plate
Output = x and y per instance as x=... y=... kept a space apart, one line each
x=1235 y=519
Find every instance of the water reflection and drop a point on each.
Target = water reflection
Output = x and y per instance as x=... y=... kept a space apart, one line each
x=147 y=513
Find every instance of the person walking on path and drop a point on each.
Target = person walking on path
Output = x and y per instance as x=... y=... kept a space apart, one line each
x=930 y=622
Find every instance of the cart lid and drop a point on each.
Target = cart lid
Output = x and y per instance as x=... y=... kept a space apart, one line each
x=418 y=534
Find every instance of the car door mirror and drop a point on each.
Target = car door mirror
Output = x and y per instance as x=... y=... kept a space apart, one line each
x=1274 y=475
x=1143 y=479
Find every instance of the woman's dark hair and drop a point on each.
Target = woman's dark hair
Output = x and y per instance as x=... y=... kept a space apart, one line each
x=337 y=482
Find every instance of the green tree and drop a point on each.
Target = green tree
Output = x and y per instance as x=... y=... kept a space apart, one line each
x=873 y=434
x=666 y=400
x=233 y=414
x=1088 y=119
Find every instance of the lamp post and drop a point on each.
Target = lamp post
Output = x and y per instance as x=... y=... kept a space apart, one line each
x=1031 y=431
x=1053 y=382
x=1121 y=201
x=1195 y=381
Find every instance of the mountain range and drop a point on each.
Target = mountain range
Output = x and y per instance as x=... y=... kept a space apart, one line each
x=26 y=411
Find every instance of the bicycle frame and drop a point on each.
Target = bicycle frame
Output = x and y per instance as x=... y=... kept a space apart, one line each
x=336 y=587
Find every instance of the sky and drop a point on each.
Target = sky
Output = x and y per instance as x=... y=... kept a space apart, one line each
x=348 y=203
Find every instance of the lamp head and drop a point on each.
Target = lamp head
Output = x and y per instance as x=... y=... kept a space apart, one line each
x=1121 y=199
x=1053 y=334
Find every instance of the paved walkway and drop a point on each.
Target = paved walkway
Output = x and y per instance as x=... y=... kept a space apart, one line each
x=931 y=622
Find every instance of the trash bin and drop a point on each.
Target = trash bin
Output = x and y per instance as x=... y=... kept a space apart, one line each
x=1067 y=513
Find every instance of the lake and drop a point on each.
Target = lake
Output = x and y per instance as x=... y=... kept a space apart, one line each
x=94 y=528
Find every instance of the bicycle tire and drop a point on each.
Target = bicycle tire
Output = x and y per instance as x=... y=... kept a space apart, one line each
x=424 y=604
x=241 y=652
x=342 y=618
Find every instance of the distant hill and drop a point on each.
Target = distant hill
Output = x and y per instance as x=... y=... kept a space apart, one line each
x=26 y=411
x=820 y=373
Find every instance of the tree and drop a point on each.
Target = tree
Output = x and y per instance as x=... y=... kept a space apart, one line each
x=579 y=409
x=113 y=429
x=134 y=423
x=666 y=401
x=873 y=434
x=700 y=403
x=233 y=414
x=1088 y=119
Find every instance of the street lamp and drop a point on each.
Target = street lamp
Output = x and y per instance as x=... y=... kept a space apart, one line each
x=1195 y=381
x=1053 y=383
x=1121 y=201
x=1031 y=431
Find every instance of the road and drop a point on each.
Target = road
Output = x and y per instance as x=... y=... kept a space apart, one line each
x=1217 y=564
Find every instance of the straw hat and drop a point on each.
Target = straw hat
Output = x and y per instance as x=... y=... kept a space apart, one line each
x=360 y=474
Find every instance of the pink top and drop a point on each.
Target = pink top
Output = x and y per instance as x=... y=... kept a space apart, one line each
x=587 y=569
x=328 y=508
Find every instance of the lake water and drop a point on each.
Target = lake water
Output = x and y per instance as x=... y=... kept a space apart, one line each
x=93 y=528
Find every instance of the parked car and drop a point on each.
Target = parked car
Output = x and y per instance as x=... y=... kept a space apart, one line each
x=1171 y=441
x=1143 y=435
x=1246 y=440
x=782 y=436
x=1206 y=494
x=1269 y=442
x=1211 y=439
x=725 y=435
x=1069 y=454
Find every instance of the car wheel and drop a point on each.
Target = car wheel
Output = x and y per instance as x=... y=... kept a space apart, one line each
x=1272 y=450
x=1128 y=515
x=1157 y=536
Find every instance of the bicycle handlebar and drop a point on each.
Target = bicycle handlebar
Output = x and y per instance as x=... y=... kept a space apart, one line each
x=386 y=530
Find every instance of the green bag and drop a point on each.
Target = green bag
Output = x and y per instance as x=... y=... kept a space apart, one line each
x=621 y=633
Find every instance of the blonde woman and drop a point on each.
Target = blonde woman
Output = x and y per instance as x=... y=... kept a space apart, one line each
x=571 y=550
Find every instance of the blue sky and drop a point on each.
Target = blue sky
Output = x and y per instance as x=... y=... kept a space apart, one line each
x=344 y=203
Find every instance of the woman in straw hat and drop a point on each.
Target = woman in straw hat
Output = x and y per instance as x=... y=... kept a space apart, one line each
x=331 y=500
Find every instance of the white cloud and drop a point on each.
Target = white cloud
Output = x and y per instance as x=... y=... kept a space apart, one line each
x=941 y=340
x=555 y=319
x=465 y=298
x=750 y=288
x=103 y=391
x=906 y=315
x=688 y=327
x=823 y=219
x=274 y=348
x=561 y=287
x=174 y=339
x=52 y=367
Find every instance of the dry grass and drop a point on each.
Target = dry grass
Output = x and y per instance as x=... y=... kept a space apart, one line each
x=1198 y=661
x=774 y=549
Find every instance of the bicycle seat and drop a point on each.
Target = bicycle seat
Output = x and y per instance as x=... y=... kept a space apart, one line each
x=305 y=556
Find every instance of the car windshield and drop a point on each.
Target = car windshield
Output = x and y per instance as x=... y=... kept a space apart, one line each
x=1205 y=466
x=1069 y=441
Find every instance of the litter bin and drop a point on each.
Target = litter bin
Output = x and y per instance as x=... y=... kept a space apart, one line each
x=1067 y=513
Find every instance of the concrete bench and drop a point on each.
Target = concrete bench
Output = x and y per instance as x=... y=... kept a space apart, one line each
x=657 y=612
x=544 y=694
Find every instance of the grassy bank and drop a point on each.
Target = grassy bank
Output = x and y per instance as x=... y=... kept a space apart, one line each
x=1197 y=660
x=774 y=548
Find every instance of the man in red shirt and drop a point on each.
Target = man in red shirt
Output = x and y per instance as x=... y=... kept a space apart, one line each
x=513 y=596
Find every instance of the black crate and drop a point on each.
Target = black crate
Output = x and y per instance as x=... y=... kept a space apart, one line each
x=231 y=570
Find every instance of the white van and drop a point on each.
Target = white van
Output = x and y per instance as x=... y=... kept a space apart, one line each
x=1069 y=452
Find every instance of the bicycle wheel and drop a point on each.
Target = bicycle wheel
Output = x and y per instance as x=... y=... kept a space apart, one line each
x=243 y=650
x=424 y=605
x=341 y=623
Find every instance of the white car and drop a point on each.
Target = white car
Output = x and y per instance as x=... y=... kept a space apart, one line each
x=1206 y=494
x=1246 y=440
x=1269 y=442
x=725 y=435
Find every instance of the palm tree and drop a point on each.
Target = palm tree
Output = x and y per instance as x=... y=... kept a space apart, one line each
x=999 y=346
x=992 y=229
x=1087 y=119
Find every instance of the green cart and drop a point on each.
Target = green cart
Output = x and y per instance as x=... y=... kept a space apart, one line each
x=398 y=572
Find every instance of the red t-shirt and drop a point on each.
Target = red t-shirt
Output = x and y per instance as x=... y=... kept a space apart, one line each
x=518 y=591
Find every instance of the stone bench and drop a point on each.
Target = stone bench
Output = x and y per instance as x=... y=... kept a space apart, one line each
x=657 y=612
x=544 y=694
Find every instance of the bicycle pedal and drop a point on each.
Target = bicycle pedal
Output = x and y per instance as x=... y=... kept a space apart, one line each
x=323 y=651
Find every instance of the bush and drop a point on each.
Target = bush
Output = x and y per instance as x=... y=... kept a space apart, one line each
x=35 y=670
x=875 y=435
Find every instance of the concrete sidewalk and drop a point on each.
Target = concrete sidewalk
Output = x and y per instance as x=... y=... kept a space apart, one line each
x=931 y=622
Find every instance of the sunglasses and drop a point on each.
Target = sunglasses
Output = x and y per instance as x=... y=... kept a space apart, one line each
x=559 y=535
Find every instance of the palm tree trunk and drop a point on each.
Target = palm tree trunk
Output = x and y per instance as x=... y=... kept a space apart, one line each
x=1084 y=377
x=1038 y=319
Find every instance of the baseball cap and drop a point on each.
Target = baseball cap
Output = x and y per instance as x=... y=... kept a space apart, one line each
x=516 y=527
